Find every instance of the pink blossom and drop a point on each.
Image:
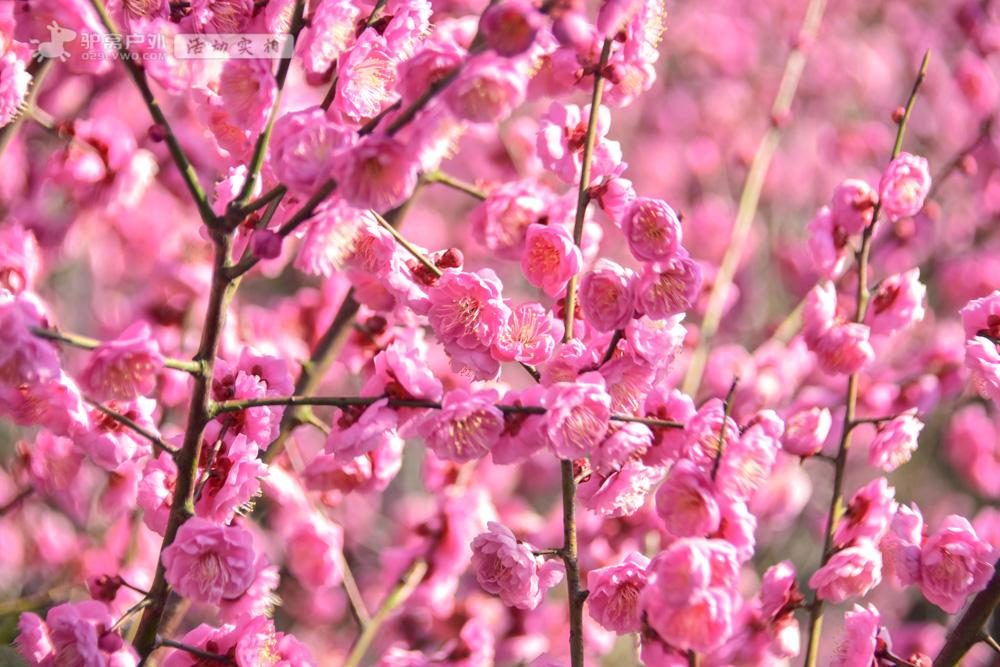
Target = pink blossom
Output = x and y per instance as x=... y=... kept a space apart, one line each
x=156 y=492
x=208 y=562
x=523 y=434
x=653 y=232
x=313 y=552
x=74 y=633
x=844 y=348
x=981 y=320
x=20 y=258
x=857 y=647
x=248 y=90
x=14 y=82
x=621 y=492
x=107 y=442
x=379 y=173
x=900 y=545
x=686 y=502
x=819 y=313
x=225 y=17
x=330 y=32
x=607 y=296
x=466 y=427
x=704 y=623
x=486 y=91
x=954 y=564
x=122 y=369
x=895 y=441
x=971 y=447
x=746 y=466
x=466 y=309
x=806 y=431
x=550 y=258
x=779 y=591
x=367 y=78
x=233 y=479
x=561 y=139
x=402 y=364
x=577 y=415
x=627 y=442
x=828 y=244
x=361 y=429
x=613 y=600
x=848 y=573
x=305 y=146
x=669 y=405
x=529 y=336
x=867 y=514
x=897 y=303
x=669 y=288
x=509 y=27
x=259 y=599
x=852 y=205
x=704 y=431
x=904 y=186
x=505 y=566
x=500 y=222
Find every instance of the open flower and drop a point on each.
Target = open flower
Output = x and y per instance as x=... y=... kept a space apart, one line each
x=208 y=562
x=505 y=566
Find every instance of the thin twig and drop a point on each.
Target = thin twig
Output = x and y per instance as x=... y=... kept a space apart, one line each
x=862 y=298
x=439 y=176
x=727 y=411
x=195 y=651
x=750 y=197
x=397 y=596
x=86 y=343
x=410 y=248
x=173 y=145
x=157 y=441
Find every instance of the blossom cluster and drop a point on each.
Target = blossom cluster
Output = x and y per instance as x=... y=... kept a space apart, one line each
x=467 y=335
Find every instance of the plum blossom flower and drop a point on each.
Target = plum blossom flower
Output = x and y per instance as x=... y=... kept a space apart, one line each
x=304 y=147
x=14 y=82
x=550 y=258
x=852 y=205
x=621 y=492
x=313 y=552
x=653 y=231
x=686 y=501
x=577 y=415
x=850 y=572
x=529 y=336
x=74 y=633
x=904 y=186
x=561 y=138
x=897 y=303
x=248 y=91
x=466 y=309
x=208 y=562
x=466 y=427
x=954 y=564
x=367 y=78
x=501 y=221
x=505 y=566
x=378 y=173
x=486 y=91
x=806 y=431
x=669 y=288
x=225 y=17
x=895 y=441
x=330 y=32
x=828 y=244
x=509 y=27
x=867 y=514
x=614 y=593
x=900 y=546
x=981 y=320
x=122 y=369
x=857 y=647
x=607 y=296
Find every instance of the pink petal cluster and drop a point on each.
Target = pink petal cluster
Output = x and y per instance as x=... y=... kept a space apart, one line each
x=505 y=566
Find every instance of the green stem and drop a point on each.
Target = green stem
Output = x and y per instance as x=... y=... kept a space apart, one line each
x=397 y=596
x=750 y=196
x=455 y=184
x=86 y=343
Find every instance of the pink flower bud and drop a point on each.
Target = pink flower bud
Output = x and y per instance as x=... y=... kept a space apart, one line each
x=265 y=244
x=607 y=296
x=904 y=186
x=652 y=229
x=806 y=431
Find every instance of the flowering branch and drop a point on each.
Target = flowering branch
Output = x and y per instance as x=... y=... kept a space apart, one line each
x=347 y=401
x=173 y=145
x=397 y=596
x=862 y=297
x=970 y=628
x=182 y=506
x=750 y=196
x=260 y=149
x=86 y=343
